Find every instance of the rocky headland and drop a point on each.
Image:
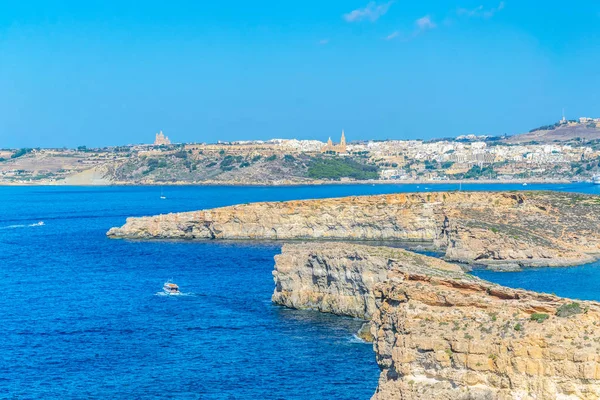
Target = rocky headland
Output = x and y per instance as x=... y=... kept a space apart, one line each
x=495 y=229
x=437 y=331
x=440 y=333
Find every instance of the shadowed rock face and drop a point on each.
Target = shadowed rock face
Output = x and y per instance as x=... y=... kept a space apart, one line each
x=442 y=334
x=340 y=278
x=495 y=229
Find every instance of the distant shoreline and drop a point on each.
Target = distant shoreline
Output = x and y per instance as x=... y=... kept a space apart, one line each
x=309 y=183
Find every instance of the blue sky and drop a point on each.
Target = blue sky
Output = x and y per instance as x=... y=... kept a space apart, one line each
x=115 y=72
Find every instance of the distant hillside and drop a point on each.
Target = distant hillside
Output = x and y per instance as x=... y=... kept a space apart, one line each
x=239 y=169
x=560 y=134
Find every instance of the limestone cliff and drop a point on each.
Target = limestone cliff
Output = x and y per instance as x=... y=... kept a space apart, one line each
x=442 y=334
x=496 y=229
x=340 y=278
x=455 y=339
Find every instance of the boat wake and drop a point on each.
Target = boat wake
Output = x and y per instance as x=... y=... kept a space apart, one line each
x=41 y=223
x=163 y=294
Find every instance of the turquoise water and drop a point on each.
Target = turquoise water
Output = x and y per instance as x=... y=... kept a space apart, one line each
x=81 y=316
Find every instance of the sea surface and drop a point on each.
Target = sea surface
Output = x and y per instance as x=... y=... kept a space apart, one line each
x=82 y=316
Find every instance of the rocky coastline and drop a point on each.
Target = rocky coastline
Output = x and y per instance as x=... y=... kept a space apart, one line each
x=439 y=333
x=494 y=229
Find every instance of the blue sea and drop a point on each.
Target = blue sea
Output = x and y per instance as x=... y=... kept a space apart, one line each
x=82 y=317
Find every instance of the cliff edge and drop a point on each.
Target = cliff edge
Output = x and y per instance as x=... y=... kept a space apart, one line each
x=440 y=333
x=340 y=278
x=497 y=229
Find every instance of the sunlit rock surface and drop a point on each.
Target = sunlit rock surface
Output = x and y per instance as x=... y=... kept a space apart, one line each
x=497 y=229
x=440 y=333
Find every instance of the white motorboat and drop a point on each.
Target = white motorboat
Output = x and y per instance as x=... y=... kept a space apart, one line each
x=171 y=288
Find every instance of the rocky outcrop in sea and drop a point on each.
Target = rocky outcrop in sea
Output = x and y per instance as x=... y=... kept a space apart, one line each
x=496 y=229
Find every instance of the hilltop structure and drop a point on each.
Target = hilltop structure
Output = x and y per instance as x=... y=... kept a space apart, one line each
x=161 y=139
x=335 y=148
x=580 y=121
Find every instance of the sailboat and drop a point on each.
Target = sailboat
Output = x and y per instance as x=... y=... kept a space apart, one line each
x=162 y=195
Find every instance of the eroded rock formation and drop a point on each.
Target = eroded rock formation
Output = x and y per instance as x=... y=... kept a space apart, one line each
x=340 y=278
x=496 y=229
x=440 y=333
x=451 y=339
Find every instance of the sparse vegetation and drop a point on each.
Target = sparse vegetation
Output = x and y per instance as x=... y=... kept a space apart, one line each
x=337 y=168
x=181 y=154
x=567 y=310
x=518 y=327
x=546 y=127
x=21 y=153
x=228 y=161
x=539 y=317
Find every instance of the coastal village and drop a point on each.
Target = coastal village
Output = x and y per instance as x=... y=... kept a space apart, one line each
x=540 y=155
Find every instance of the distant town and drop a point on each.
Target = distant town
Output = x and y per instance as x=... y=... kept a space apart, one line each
x=568 y=150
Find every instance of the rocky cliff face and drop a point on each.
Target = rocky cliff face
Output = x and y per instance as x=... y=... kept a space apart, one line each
x=440 y=339
x=442 y=334
x=496 y=229
x=340 y=278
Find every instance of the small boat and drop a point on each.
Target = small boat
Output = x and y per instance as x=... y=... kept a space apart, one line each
x=41 y=223
x=171 y=288
x=525 y=184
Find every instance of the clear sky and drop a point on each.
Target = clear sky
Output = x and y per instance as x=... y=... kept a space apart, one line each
x=108 y=72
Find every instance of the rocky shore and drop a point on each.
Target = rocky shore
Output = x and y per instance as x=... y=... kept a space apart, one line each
x=494 y=229
x=437 y=332
x=440 y=333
